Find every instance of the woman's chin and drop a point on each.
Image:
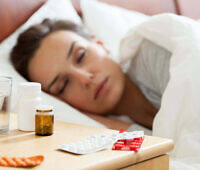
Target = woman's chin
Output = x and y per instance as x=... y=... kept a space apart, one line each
x=113 y=101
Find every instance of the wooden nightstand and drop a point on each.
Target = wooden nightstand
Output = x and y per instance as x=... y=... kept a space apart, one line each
x=152 y=155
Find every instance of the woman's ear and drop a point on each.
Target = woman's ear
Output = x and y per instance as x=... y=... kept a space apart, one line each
x=99 y=42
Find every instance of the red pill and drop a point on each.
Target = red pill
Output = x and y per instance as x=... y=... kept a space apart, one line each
x=133 y=147
x=122 y=130
x=119 y=147
x=120 y=142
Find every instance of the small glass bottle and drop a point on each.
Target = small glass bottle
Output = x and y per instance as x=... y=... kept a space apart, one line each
x=44 y=120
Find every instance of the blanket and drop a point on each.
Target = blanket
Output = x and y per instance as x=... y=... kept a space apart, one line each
x=179 y=115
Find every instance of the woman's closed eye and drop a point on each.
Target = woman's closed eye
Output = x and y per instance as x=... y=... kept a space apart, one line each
x=80 y=55
x=63 y=87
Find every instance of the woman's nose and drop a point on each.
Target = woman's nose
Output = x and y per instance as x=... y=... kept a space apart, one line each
x=85 y=77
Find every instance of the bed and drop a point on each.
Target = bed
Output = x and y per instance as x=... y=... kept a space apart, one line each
x=110 y=30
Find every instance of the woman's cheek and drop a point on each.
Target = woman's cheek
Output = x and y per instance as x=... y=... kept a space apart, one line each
x=77 y=99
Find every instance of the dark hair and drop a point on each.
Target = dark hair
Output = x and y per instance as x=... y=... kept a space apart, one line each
x=29 y=41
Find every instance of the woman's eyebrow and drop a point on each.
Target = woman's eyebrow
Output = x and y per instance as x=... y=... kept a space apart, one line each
x=71 y=49
x=52 y=83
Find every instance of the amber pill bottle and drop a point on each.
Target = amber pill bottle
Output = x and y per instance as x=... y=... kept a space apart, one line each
x=44 y=120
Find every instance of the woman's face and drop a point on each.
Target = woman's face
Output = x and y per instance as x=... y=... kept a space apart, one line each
x=78 y=71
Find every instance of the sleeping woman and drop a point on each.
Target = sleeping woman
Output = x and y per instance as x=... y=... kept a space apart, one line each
x=75 y=67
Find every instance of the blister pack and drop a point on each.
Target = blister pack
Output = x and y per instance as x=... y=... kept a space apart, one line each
x=99 y=142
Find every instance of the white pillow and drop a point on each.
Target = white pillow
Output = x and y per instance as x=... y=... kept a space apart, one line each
x=109 y=23
x=53 y=9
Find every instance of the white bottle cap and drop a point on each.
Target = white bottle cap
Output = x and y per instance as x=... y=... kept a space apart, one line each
x=29 y=88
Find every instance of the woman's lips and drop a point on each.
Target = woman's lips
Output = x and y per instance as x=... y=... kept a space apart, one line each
x=101 y=88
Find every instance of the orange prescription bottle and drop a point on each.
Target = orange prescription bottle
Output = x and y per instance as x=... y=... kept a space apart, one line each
x=44 y=120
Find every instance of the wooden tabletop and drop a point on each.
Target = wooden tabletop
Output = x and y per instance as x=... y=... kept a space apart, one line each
x=18 y=143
